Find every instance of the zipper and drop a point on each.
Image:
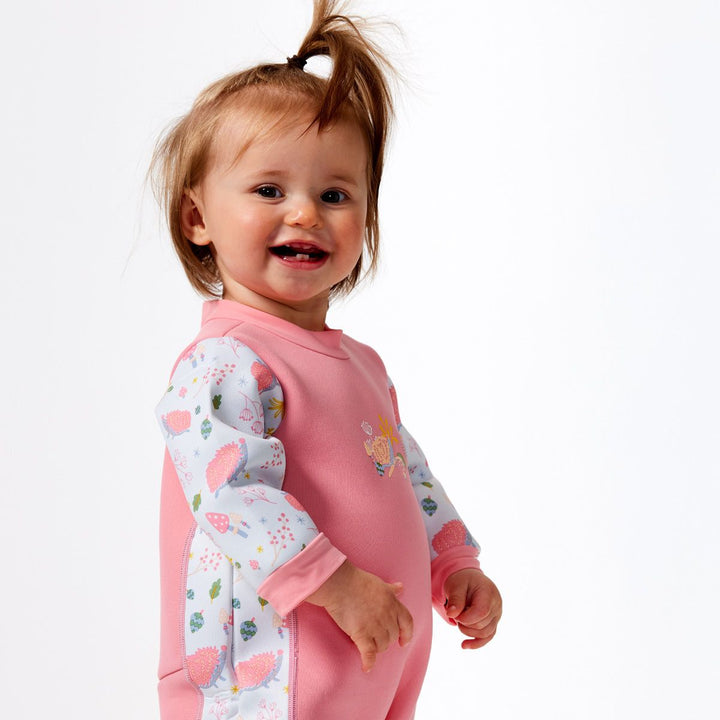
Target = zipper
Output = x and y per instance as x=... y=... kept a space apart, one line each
x=292 y=670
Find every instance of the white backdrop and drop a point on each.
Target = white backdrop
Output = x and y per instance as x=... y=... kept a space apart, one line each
x=551 y=226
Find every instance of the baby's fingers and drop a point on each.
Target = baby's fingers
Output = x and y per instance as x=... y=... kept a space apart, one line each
x=405 y=624
x=476 y=643
x=479 y=635
x=368 y=660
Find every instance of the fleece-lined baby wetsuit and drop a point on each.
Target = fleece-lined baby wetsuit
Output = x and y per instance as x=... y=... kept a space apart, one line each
x=285 y=455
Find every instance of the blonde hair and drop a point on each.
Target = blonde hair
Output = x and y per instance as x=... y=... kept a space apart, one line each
x=357 y=88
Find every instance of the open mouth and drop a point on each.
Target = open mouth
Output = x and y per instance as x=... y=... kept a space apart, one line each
x=299 y=253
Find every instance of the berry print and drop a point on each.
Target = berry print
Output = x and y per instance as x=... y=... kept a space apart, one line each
x=196 y=622
x=209 y=560
x=281 y=536
x=205 y=428
x=429 y=506
x=248 y=629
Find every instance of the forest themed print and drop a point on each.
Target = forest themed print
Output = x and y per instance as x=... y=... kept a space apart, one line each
x=220 y=414
x=445 y=529
x=237 y=648
x=385 y=448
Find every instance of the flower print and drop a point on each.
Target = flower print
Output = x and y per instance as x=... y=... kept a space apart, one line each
x=278 y=407
x=379 y=449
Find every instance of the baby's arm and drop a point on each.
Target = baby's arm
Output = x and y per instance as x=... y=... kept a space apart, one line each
x=367 y=609
x=462 y=593
x=219 y=416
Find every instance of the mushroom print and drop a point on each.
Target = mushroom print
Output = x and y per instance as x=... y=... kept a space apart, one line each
x=222 y=523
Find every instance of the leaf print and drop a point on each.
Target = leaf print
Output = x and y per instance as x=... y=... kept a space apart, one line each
x=263 y=602
x=190 y=594
x=216 y=401
x=426 y=484
x=215 y=589
x=197 y=410
x=387 y=429
x=196 y=502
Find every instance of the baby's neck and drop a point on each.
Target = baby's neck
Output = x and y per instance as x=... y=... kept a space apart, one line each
x=309 y=315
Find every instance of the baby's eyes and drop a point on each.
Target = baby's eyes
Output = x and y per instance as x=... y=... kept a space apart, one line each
x=269 y=191
x=333 y=196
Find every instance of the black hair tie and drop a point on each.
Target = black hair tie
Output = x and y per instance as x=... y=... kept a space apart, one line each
x=297 y=61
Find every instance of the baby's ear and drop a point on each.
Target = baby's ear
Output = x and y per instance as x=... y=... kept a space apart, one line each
x=191 y=219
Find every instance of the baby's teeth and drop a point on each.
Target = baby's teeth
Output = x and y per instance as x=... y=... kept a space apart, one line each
x=300 y=256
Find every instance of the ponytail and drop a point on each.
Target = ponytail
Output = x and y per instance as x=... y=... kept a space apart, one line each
x=357 y=89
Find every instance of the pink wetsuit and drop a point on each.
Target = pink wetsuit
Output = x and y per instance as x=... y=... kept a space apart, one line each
x=285 y=456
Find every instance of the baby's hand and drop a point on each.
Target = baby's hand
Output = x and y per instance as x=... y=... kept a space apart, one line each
x=367 y=609
x=474 y=602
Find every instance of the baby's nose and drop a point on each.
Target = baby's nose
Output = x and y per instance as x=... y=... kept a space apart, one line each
x=303 y=212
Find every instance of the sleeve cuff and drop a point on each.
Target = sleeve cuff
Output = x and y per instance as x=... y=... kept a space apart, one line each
x=452 y=560
x=300 y=577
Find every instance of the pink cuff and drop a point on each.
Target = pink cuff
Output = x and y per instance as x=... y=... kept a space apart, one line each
x=443 y=566
x=292 y=582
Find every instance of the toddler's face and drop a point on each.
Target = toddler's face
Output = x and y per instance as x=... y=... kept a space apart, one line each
x=287 y=219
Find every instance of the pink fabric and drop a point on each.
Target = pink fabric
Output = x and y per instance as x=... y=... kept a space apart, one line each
x=457 y=558
x=291 y=583
x=330 y=381
x=338 y=409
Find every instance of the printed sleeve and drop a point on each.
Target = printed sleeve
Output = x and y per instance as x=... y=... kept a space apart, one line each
x=219 y=417
x=452 y=547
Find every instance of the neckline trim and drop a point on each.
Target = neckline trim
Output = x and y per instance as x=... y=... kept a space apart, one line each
x=328 y=341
